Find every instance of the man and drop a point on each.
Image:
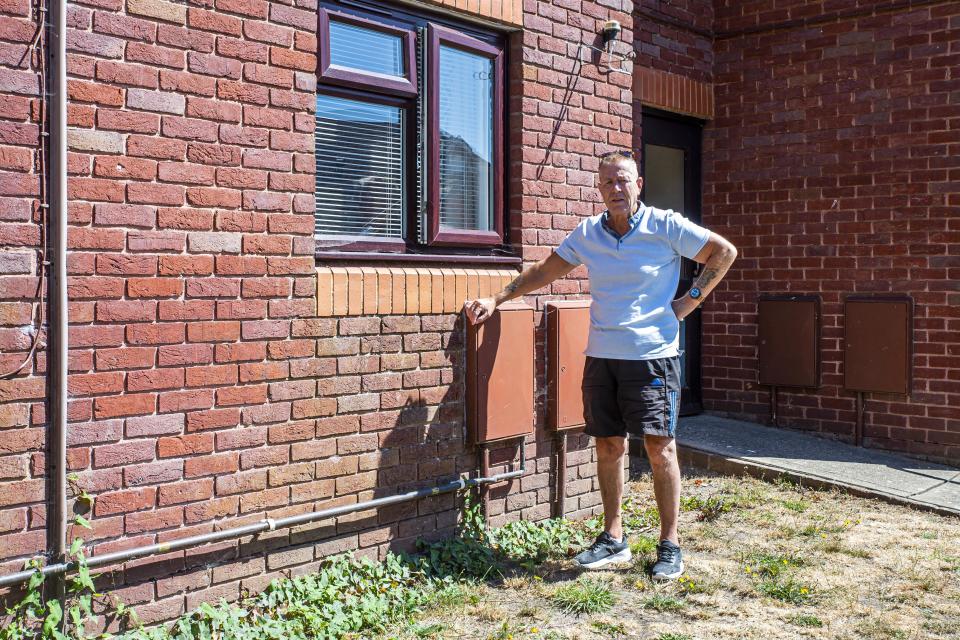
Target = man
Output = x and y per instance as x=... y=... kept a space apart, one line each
x=631 y=380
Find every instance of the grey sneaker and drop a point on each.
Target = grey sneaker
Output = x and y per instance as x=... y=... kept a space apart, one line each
x=669 y=564
x=603 y=551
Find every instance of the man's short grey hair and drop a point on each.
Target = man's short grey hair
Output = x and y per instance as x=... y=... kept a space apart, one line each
x=617 y=158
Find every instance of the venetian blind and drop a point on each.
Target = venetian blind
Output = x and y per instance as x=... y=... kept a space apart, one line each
x=360 y=169
x=368 y=50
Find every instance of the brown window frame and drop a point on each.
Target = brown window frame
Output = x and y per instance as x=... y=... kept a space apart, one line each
x=437 y=36
x=327 y=72
x=433 y=241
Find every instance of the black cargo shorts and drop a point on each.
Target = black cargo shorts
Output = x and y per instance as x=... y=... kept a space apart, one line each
x=631 y=396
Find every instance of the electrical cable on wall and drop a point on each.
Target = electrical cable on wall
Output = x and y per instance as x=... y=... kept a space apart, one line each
x=37 y=61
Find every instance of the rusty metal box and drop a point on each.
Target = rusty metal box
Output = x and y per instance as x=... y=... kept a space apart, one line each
x=788 y=341
x=877 y=344
x=568 y=324
x=500 y=372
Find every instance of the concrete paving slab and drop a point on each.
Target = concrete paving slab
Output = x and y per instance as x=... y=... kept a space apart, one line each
x=736 y=445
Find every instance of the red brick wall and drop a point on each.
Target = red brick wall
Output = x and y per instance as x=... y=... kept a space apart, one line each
x=674 y=59
x=22 y=489
x=203 y=392
x=833 y=165
x=675 y=37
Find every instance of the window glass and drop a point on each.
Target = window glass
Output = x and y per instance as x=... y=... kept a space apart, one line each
x=360 y=168
x=663 y=183
x=466 y=140
x=367 y=50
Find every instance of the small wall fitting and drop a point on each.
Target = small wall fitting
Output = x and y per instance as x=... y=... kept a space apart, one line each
x=500 y=375
x=877 y=348
x=788 y=351
x=568 y=324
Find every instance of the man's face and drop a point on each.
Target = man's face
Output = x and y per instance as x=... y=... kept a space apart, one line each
x=620 y=187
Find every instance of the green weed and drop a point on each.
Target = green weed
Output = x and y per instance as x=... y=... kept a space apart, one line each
x=806 y=620
x=662 y=602
x=584 y=596
x=787 y=590
x=642 y=545
x=798 y=506
x=770 y=565
x=609 y=629
x=709 y=508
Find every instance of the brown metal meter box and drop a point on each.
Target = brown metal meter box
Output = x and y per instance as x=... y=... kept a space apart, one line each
x=788 y=341
x=877 y=344
x=500 y=375
x=568 y=324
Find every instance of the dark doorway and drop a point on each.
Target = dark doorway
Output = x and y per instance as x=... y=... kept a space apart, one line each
x=671 y=180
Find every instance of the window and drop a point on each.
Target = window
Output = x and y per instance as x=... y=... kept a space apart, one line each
x=409 y=133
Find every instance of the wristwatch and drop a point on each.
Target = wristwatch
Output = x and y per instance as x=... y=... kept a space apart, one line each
x=694 y=293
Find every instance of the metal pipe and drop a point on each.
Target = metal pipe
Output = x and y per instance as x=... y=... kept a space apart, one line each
x=267 y=524
x=561 y=509
x=484 y=470
x=57 y=351
x=858 y=431
x=773 y=406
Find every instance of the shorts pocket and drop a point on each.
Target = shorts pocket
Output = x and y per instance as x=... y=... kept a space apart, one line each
x=645 y=408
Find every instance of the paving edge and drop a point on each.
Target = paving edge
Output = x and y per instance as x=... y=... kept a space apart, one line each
x=712 y=461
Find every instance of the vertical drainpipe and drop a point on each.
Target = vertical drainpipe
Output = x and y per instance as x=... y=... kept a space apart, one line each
x=57 y=220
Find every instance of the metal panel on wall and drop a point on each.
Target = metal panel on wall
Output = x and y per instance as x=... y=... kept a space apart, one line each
x=788 y=350
x=500 y=373
x=877 y=344
x=568 y=324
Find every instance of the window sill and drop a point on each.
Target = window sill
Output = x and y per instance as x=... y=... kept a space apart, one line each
x=404 y=290
x=327 y=257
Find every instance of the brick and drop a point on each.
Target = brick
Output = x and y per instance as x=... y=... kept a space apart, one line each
x=124 y=214
x=126 y=311
x=213 y=154
x=154 y=287
x=126 y=405
x=213 y=419
x=95 y=383
x=155 y=379
x=185 y=491
x=124 y=501
x=158 y=101
x=210 y=465
x=247 y=394
x=207 y=510
x=176 y=355
x=90 y=92
x=155 y=425
x=154 y=55
x=95 y=141
x=124 y=453
x=179 y=446
x=154 y=334
x=215 y=331
x=211 y=375
x=240 y=352
x=167 y=11
x=153 y=473
x=125 y=358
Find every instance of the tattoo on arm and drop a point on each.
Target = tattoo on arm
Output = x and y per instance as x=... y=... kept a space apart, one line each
x=706 y=277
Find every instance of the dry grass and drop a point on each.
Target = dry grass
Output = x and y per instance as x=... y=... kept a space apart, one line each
x=764 y=560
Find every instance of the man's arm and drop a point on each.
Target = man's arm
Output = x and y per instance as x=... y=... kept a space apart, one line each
x=716 y=257
x=537 y=276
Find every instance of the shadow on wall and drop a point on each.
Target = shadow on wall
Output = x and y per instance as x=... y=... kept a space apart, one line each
x=417 y=439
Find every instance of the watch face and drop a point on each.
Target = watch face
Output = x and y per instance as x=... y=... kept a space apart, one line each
x=694 y=293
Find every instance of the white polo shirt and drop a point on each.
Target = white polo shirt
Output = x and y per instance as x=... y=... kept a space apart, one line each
x=633 y=280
